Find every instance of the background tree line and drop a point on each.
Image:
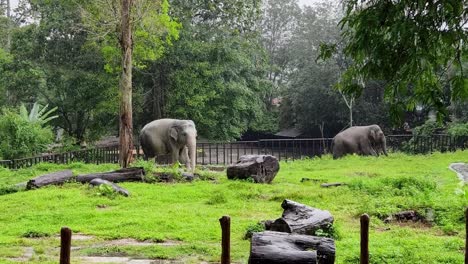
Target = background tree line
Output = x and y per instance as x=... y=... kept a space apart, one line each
x=231 y=66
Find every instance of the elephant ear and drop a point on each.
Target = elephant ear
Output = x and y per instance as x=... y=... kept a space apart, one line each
x=372 y=136
x=173 y=133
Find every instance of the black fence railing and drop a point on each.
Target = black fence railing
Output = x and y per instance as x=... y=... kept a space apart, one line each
x=229 y=152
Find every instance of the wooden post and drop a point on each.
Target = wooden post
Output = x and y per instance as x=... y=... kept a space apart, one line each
x=466 y=236
x=225 y=222
x=65 y=245
x=364 y=239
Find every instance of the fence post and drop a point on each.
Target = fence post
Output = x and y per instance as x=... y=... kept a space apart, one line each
x=365 y=239
x=65 y=245
x=225 y=222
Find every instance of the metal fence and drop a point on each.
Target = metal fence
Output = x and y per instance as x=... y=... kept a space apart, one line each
x=229 y=152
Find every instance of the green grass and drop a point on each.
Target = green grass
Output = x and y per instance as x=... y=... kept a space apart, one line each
x=189 y=212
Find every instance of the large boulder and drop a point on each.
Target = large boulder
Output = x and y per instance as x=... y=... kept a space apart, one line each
x=260 y=168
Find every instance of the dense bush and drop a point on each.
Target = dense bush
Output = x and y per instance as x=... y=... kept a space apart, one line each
x=458 y=129
x=20 y=138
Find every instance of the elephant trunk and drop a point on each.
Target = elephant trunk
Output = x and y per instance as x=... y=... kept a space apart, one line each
x=192 y=151
x=384 y=146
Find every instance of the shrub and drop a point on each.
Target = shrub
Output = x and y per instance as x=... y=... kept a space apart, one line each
x=20 y=138
x=458 y=130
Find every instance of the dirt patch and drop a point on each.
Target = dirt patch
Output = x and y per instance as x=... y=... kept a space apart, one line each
x=28 y=253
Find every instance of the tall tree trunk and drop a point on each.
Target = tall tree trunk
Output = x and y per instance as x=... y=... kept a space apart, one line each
x=126 y=123
x=8 y=11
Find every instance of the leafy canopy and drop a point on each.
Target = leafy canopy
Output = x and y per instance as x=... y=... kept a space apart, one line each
x=413 y=45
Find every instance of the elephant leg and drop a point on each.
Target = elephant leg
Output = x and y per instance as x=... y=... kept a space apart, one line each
x=184 y=157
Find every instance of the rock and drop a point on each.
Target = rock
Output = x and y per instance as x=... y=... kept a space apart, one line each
x=260 y=168
x=406 y=216
x=461 y=169
x=301 y=219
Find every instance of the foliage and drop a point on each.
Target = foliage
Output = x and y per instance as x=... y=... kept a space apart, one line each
x=378 y=187
x=429 y=128
x=37 y=115
x=458 y=130
x=214 y=74
x=253 y=228
x=106 y=190
x=409 y=44
x=20 y=138
x=153 y=29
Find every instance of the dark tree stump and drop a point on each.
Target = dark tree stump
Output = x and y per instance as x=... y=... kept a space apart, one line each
x=281 y=248
x=261 y=168
x=59 y=177
x=301 y=219
x=98 y=181
x=122 y=175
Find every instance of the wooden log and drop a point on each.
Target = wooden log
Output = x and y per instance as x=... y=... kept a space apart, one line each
x=333 y=184
x=301 y=219
x=122 y=175
x=281 y=248
x=261 y=168
x=58 y=177
x=98 y=181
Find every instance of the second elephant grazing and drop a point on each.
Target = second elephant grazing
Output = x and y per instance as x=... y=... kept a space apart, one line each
x=170 y=136
x=362 y=140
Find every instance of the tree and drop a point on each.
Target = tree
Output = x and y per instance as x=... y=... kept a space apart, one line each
x=279 y=21
x=139 y=28
x=409 y=44
x=214 y=74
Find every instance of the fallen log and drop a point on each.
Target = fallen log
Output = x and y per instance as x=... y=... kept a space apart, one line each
x=98 y=181
x=55 y=178
x=281 y=248
x=122 y=175
x=333 y=184
x=261 y=168
x=301 y=219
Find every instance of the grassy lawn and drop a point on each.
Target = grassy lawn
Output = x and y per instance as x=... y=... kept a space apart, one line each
x=188 y=213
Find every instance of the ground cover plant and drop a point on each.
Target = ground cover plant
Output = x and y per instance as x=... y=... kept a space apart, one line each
x=185 y=214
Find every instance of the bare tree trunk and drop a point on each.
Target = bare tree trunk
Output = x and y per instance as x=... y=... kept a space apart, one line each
x=8 y=10
x=126 y=123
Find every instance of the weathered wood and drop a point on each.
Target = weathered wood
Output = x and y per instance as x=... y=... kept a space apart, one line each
x=225 y=223
x=261 y=168
x=301 y=219
x=364 y=259
x=98 y=181
x=122 y=175
x=65 y=245
x=281 y=248
x=58 y=177
x=333 y=184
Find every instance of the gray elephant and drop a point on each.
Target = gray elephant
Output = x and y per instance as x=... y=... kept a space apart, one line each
x=170 y=136
x=362 y=140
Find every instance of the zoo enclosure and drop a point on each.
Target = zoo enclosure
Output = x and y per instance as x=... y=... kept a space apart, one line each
x=213 y=153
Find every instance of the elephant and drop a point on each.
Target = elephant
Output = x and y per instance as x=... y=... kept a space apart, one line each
x=170 y=136
x=362 y=140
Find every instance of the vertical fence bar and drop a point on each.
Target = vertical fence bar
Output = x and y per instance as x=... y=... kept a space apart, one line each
x=224 y=153
x=65 y=245
x=217 y=154
x=225 y=222
x=364 y=239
